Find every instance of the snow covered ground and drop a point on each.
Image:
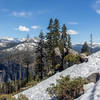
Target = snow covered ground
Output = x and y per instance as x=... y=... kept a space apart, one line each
x=92 y=92
x=39 y=92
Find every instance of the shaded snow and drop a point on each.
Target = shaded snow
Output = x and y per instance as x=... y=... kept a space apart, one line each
x=38 y=92
x=92 y=92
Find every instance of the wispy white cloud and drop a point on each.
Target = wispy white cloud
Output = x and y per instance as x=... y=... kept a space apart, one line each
x=98 y=11
x=4 y=10
x=73 y=23
x=27 y=14
x=72 y=32
x=26 y=29
x=35 y=27
x=23 y=28
x=96 y=6
x=21 y=14
x=97 y=1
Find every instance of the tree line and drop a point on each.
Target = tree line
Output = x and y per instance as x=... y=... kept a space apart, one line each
x=55 y=37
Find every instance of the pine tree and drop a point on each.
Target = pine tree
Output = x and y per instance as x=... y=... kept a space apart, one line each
x=50 y=44
x=40 y=56
x=56 y=33
x=50 y=27
x=49 y=38
x=85 y=48
x=64 y=37
x=64 y=44
x=53 y=37
x=69 y=42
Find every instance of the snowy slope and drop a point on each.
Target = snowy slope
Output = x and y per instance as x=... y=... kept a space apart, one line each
x=38 y=92
x=32 y=43
x=22 y=46
x=92 y=92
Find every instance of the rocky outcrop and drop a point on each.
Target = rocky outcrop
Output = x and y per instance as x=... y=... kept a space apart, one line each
x=83 y=57
x=57 y=52
x=73 y=52
x=94 y=77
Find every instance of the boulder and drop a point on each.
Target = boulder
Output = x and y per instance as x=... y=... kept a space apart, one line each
x=93 y=77
x=57 y=52
x=83 y=57
x=73 y=52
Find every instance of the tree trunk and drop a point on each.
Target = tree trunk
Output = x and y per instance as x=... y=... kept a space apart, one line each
x=27 y=72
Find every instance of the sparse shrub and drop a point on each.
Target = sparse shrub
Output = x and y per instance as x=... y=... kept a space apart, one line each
x=22 y=97
x=57 y=67
x=66 y=88
x=7 y=97
x=72 y=59
x=31 y=83
x=10 y=97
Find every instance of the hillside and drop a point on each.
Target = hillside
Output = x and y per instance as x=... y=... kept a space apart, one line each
x=11 y=44
x=38 y=92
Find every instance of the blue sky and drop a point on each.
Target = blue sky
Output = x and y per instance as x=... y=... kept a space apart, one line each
x=19 y=17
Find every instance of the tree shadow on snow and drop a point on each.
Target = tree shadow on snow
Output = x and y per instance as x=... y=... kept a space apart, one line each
x=54 y=98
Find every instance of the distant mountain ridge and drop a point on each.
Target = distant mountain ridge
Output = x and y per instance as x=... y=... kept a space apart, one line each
x=13 y=43
x=7 y=39
x=78 y=47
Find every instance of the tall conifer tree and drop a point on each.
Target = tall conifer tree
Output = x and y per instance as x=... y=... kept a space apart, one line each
x=40 y=56
x=85 y=48
x=64 y=44
x=56 y=33
x=69 y=41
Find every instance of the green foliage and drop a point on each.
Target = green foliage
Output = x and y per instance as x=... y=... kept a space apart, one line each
x=66 y=88
x=56 y=33
x=53 y=38
x=13 y=87
x=8 y=88
x=22 y=97
x=6 y=97
x=31 y=83
x=69 y=41
x=72 y=58
x=40 y=56
x=10 y=97
x=85 y=48
x=60 y=46
x=64 y=36
x=30 y=77
x=57 y=66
